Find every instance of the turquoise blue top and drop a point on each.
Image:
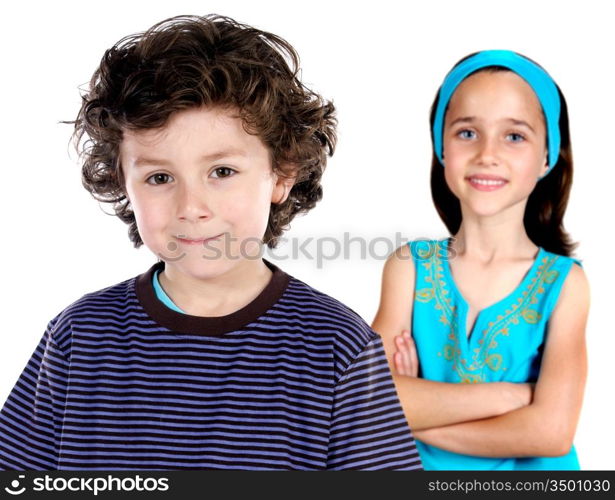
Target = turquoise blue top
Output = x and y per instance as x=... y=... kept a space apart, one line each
x=505 y=344
x=161 y=294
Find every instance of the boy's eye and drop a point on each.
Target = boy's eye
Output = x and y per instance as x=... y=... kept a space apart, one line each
x=221 y=172
x=466 y=134
x=515 y=137
x=158 y=179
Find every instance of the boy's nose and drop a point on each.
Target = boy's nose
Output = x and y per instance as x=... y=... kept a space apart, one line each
x=192 y=204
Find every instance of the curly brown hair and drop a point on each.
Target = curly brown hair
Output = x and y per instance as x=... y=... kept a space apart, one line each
x=192 y=61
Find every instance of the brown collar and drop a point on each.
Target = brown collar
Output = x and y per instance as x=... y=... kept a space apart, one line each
x=210 y=325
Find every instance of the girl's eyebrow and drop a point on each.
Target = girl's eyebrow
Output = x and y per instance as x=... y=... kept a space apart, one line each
x=521 y=123
x=514 y=121
x=463 y=119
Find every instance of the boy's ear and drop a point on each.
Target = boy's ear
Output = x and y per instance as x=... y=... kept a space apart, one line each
x=283 y=185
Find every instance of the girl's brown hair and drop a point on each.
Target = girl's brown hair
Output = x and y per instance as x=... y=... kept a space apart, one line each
x=544 y=212
x=192 y=61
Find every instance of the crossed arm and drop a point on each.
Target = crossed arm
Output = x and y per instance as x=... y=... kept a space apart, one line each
x=491 y=419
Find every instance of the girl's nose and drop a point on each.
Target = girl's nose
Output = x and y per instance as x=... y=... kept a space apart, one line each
x=488 y=151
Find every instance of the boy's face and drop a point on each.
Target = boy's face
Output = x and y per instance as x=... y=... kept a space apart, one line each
x=201 y=189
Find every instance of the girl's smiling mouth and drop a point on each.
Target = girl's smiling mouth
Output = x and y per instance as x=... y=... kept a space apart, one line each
x=486 y=182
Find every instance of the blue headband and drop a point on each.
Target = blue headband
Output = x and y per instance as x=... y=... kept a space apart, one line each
x=537 y=78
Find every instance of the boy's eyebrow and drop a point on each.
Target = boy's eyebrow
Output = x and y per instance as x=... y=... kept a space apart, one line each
x=144 y=160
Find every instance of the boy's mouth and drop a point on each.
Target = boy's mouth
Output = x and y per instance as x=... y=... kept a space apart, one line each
x=195 y=241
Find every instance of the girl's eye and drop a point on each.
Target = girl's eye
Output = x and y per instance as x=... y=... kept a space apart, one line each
x=515 y=137
x=466 y=134
x=221 y=172
x=158 y=179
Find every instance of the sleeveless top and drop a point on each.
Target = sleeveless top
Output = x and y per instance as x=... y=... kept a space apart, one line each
x=505 y=344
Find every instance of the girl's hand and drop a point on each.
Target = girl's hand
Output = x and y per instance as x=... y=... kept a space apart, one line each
x=522 y=394
x=405 y=358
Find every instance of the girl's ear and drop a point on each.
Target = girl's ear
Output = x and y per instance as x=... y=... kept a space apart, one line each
x=283 y=185
x=545 y=167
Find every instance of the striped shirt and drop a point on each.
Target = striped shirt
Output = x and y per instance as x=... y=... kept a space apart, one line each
x=119 y=381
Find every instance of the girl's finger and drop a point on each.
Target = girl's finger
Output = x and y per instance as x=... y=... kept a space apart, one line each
x=399 y=365
x=402 y=350
x=412 y=355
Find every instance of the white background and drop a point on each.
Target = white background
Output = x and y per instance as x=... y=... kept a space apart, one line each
x=381 y=63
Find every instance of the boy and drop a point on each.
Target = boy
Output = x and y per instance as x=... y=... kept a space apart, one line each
x=207 y=144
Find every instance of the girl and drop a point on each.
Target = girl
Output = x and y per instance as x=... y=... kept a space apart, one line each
x=491 y=364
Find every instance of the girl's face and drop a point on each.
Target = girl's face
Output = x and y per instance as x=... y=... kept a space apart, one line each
x=494 y=144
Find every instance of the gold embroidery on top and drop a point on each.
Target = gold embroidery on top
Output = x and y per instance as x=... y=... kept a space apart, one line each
x=482 y=357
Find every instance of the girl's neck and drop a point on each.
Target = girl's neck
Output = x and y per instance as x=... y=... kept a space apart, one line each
x=487 y=240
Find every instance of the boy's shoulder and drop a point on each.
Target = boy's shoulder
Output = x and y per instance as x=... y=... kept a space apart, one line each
x=117 y=297
x=117 y=294
x=309 y=310
x=339 y=318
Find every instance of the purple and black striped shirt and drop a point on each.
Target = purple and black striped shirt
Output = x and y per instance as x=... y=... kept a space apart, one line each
x=294 y=380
